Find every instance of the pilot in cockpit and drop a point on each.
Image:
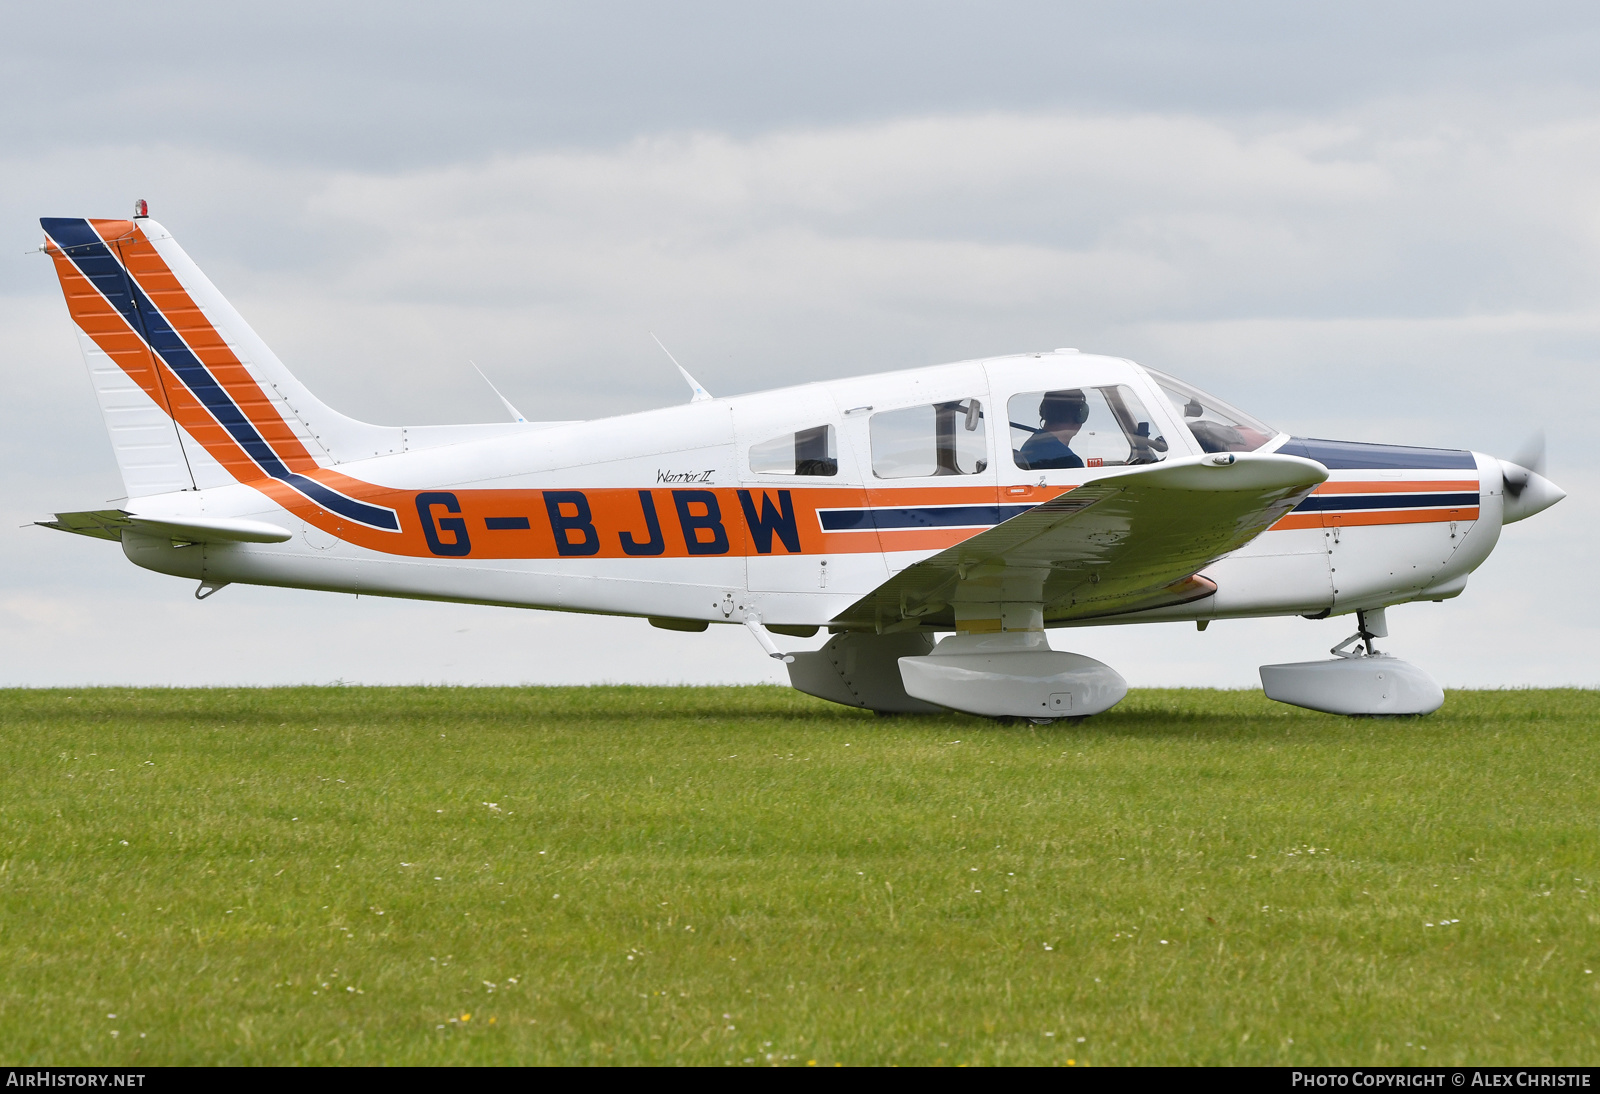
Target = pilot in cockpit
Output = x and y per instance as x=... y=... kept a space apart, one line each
x=1061 y=414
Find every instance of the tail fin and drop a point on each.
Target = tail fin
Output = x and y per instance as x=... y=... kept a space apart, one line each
x=192 y=397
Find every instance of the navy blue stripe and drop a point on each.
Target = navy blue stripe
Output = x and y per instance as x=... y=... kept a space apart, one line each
x=335 y=502
x=1325 y=502
x=70 y=231
x=943 y=516
x=506 y=524
x=97 y=263
x=1356 y=456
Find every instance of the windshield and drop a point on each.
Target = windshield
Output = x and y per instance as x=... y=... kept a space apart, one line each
x=1216 y=425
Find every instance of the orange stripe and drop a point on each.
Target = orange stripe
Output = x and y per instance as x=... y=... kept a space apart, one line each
x=1390 y=486
x=615 y=511
x=1402 y=516
x=114 y=230
x=1297 y=520
x=612 y=513
x=106 y=327
x=926 y=539
x=1392 y=516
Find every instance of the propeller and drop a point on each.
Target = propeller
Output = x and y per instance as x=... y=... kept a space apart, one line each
x=1529 y=461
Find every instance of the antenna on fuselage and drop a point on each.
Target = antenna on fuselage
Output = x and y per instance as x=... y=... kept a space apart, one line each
x=700 y=395
x=516 y=415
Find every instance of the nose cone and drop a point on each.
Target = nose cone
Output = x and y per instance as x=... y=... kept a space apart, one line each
x=1527 y=492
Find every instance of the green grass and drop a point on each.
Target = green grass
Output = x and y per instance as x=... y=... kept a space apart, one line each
x=313 y=875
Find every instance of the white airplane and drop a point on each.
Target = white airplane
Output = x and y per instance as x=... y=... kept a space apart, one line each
x=986 y=500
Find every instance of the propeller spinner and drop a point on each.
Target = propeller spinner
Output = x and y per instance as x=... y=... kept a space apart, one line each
x=1527 y=490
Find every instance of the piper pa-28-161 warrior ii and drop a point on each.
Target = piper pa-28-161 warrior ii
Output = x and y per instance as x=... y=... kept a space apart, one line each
x=985 y=500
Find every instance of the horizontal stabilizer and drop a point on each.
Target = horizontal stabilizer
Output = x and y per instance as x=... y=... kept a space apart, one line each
x=111 y=523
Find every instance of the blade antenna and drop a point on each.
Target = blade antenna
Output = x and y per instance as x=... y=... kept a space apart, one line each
x=516 y=415
x=700 y=394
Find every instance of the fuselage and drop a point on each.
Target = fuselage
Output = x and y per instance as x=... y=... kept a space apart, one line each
x=796 y=503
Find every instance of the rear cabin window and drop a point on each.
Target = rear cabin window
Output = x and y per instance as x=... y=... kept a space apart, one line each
x=808 y=452
x=1082 y=427
x=924 y=441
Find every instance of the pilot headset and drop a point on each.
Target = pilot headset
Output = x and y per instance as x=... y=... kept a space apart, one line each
x=1063 y=407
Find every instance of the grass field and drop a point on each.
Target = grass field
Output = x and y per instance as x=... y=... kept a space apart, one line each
x=745 y=875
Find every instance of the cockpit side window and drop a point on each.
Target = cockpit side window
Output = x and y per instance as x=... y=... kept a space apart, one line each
x=811 y=451
x=937 y=439
x=1082 y=427
x=1216 y=425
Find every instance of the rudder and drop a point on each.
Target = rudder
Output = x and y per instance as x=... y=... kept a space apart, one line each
x=122 y=369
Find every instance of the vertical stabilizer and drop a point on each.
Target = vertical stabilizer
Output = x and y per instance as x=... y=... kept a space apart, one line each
x=191 y=395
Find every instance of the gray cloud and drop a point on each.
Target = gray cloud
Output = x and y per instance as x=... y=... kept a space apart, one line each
x=387 y=86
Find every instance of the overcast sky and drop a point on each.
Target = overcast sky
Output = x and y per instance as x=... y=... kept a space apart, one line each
x=1365 y=221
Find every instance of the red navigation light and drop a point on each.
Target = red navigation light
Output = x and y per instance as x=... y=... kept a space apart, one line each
x=140 y=208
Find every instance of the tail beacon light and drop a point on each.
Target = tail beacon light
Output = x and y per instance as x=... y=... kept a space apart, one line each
x=141 y=208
